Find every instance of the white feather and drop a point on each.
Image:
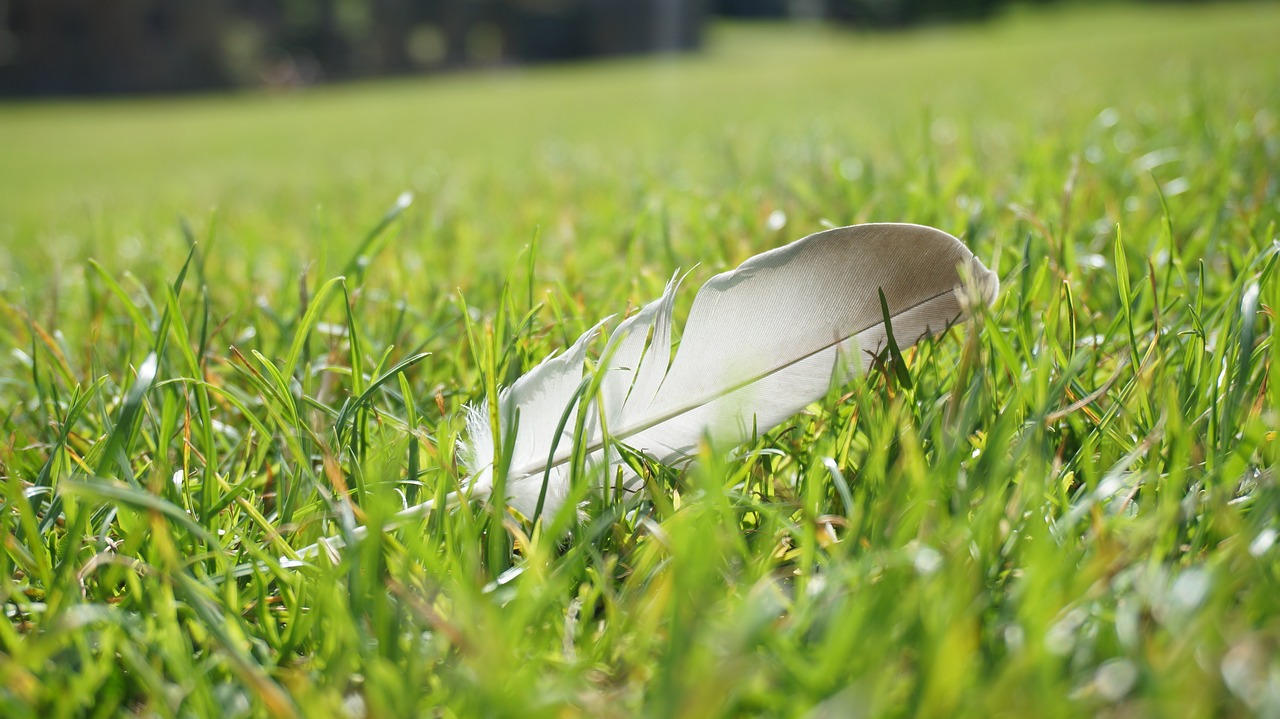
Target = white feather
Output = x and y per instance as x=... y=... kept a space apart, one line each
x=762 y=342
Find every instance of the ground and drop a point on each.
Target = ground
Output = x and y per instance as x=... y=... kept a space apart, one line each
x=227 y=333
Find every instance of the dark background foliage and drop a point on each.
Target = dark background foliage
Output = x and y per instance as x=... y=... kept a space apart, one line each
x=58 y=47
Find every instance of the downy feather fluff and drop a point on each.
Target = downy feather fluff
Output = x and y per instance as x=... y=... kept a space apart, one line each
x=761 y=342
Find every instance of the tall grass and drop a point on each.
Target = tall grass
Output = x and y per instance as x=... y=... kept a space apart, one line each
x=1068 y=506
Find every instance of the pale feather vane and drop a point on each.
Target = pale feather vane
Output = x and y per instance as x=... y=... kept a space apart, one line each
x=761 y=342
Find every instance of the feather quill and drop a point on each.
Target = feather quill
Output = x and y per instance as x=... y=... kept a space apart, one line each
x=762 y=342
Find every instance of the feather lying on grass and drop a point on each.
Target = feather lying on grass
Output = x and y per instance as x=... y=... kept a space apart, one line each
x=762 y=342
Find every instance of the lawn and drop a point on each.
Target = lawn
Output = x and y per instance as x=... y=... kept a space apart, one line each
x=227 y=333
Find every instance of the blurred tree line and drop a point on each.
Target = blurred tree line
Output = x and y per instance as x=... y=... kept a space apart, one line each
x=106 y=46
x=88 y=46
x=865 y=13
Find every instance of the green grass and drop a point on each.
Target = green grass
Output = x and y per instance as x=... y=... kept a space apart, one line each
x=1070 y=510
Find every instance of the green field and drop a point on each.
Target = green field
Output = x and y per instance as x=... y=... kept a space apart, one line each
x=1066 y=507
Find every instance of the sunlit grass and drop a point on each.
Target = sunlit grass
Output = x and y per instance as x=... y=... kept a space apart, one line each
x=217 y=351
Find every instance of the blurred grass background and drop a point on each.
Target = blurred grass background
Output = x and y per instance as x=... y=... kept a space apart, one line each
x=760 y=92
